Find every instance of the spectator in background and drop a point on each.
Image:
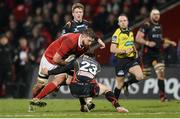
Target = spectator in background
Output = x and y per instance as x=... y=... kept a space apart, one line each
x=142 y=13
x=55 y=25
x=99 y=21
x=28 y=26
x=23 y=59
x=4 y=13
x=6 y=60
x=37 y=43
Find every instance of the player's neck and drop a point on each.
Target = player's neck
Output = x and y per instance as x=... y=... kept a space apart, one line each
x=78 y=21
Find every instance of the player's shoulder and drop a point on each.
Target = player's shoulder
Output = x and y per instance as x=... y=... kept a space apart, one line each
x=89 y=23
x=147 y=24
x=117 y=31
x=86 y=21
x=68 y=24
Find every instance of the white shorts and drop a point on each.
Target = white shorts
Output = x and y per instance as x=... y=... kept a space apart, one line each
x=45 y=64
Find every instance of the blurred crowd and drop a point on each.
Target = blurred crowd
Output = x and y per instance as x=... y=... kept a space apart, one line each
x=27 y=27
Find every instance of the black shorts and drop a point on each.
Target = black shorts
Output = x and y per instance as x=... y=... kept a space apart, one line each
x=124 y=64
x=149 y=59
x=84 y=89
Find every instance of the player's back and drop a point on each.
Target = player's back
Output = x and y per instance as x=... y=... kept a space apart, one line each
x=86 y=67
x=67 y=39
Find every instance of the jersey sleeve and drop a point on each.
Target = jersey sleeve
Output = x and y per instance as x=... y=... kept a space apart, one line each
x=144 y=28
x=115 y=36
x=66 y=46
x=66 y=28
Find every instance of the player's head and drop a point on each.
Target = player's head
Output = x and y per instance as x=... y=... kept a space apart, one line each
x=3 y=39
x=87 y=37
x=155 y=15
x=90 y=53
x=78 y=11
x=123 y=21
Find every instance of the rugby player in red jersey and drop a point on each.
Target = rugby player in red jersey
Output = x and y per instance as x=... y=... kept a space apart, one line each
x=61 y=49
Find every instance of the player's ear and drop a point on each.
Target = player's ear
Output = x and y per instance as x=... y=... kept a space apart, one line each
x=118 y=22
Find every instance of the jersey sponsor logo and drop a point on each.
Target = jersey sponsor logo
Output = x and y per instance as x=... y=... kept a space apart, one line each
x=120 y=72
x=80 y=26
x=63 y=31
x=114 y=38
x=76 y=30
x=129 y=43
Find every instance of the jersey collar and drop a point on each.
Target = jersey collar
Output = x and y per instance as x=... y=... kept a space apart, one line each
x=79 y=41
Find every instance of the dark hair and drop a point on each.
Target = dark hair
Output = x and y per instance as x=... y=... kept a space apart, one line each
x=90 y=53
x=89 y=32
x=77 y=5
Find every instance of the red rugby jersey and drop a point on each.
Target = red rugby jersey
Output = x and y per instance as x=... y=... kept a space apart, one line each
x=65 y=45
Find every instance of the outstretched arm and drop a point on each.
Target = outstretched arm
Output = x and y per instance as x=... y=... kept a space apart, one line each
x=58 y=70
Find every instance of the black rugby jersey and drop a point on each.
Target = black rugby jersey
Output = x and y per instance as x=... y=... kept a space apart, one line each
x=86 y=66
x=75 y=27
x=153 y=32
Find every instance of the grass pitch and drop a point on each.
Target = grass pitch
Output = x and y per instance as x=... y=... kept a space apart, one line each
x=69 y=108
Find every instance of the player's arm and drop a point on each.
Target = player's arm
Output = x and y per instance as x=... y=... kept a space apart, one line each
x=102 y=44
x=140 y=37
x=58 y=59
x=64 y=49
x=58 y=70
x=66 y=28
x=167 y=41
x=114 y=49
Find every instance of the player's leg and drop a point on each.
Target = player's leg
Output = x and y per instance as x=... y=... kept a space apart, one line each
x=120 y=70
x=49 y=88
x=52 y=86
x=119 y=86
x=136 y=74
x=159 y=69
x=104 y=90
x=42 y=79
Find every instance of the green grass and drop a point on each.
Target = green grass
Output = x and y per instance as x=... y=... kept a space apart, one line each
x=69 y=108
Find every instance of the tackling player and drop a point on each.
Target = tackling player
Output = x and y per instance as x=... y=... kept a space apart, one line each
x=59 y=50
x=83 y=83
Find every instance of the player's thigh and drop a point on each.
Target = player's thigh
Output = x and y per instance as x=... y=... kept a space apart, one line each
x=137 y=71
x=103 y=89
x=59 y=78
x=44 y=64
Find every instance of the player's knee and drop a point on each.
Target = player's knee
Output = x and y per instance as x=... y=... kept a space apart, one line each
x=139 y=76
x=59 y=79
x=159 y=69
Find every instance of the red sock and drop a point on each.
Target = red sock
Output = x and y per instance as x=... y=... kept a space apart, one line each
x=50 y=87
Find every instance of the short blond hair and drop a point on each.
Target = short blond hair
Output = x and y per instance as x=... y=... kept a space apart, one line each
x=154 y=11
x=77 y=5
